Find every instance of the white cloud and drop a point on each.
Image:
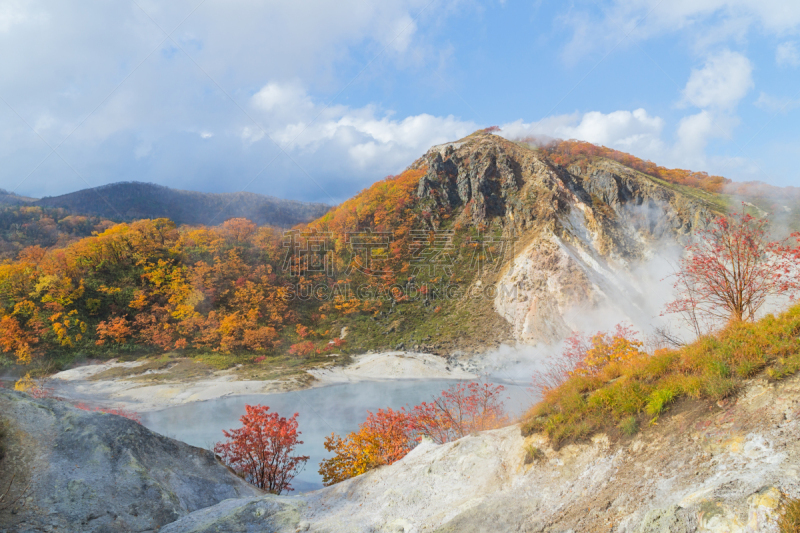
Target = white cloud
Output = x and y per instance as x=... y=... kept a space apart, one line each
x=641 y=134
x=12 y=12
x=99 y=67
x=787 y=55
x=711 y=21
x=631 y=131
x=695 y=131
x=282 y=97
x=776 y=105
x=723 y=81
x=369 y=138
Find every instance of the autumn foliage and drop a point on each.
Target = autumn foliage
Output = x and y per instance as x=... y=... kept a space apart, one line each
x=262 y=450
x=459 y=411
x=623 y=396
x=382 y=439
x=387 y=436
x=565 y=153
x=147 y=283
x=585 y=355
x=230 y=288
x=731 y=271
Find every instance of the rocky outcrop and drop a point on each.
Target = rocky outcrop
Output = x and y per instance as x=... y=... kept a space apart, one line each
x=581 y=231
x=697 y=470
x=73 y=470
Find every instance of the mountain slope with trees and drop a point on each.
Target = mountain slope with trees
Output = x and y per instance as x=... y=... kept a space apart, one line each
x=480 y=241
x=127 y=201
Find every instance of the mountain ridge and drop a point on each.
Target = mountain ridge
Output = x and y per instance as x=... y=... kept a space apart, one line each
x=130 y=200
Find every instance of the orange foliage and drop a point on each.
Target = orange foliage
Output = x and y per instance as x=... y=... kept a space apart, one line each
x=387 y=436
x=261 y=450
x=115 y=330
x=584 y=355
x=14 y=339
x=381 y=440
x=461 y=410
x=193 y=287
x=620 y=346
x=303 y=349
x=565 y=153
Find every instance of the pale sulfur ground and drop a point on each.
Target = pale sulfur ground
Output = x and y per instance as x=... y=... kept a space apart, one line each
x=135 y=394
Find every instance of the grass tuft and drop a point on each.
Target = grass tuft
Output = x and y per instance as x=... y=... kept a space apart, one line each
x=629 y=426
x=533 y=454
x=789 y=520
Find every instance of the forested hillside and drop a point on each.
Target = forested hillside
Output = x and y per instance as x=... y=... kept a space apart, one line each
x=27 y=225
x=478 y=242
x=129 y=201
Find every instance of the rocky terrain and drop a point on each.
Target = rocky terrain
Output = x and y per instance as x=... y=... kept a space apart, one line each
x=717 y=470
x=581 y=234
x=709 y=468
x=65 y=469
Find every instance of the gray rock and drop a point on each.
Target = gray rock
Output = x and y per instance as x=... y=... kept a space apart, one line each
x=269 y=514
x=75 y=470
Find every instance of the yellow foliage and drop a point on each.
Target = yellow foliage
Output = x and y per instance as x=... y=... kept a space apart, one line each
x=607 y=349
x=24 y=384
x=382 y=439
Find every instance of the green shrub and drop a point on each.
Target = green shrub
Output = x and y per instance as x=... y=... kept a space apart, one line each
x=719 y=368
x=718 y=388
x=658 y=400
x=747 y=368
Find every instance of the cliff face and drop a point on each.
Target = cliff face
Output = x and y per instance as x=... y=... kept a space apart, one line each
x=66 y=469
x=578 y=232
x=698 y=470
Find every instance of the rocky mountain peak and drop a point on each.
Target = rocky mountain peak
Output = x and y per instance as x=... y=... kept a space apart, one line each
x=581 y=228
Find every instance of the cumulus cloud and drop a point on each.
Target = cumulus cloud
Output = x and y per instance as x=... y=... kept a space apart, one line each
x=695 y=132
x=723 y=81
x=371 y=139
x=632 y=131
x=787 y=55
x=103 y=76
x=642 y=134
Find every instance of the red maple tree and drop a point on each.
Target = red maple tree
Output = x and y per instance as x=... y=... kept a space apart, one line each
x=460 y=410
x=262 y=449
x=731 y=270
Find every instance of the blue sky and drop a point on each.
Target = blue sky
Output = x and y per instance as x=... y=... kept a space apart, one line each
x=316 y=99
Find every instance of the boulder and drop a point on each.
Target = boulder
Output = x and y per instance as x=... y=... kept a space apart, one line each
x=75 y=470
